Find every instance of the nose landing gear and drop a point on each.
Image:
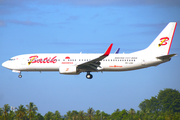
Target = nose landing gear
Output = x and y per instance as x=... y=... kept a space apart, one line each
x=20 y=76
x=89 y=76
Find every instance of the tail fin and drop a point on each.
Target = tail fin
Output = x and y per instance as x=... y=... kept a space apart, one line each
x=162 y=44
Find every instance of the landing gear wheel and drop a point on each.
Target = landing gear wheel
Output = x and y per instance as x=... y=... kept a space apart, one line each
x=89 y=76
x=20 y=76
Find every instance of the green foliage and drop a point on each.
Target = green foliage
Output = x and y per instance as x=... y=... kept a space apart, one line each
x=105 y=116
x=167 y=100
x=120 y=114
x=57 y=115
x=48 y=116
x=165 y=106
x=31 y=110
x=90 y=113
x=12 y=115
x=81 y=115
x=6 y=110
x=21 y=112
x=1 y=113
x=39 y=117
x=97 y=115
x=68 y=116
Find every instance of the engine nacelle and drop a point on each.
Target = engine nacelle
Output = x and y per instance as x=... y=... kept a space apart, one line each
x=68 y=70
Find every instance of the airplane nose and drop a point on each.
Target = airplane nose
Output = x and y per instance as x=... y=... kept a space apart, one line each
x=5 y=64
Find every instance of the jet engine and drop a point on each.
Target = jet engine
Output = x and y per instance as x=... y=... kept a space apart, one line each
x=68 y=70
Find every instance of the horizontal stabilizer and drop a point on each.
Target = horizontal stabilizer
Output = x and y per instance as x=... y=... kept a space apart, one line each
x=166 y=56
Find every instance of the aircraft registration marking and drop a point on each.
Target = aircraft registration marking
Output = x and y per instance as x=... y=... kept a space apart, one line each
x=67 y=62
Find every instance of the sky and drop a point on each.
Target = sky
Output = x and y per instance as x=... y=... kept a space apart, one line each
x=87 y=26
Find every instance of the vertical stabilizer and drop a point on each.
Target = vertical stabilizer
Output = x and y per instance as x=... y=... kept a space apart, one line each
x=162 y=44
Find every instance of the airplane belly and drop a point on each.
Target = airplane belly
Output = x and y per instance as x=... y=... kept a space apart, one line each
x=39 y=68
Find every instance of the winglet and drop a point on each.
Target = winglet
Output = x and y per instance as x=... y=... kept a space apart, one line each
x=108 y=50
x=117 y=51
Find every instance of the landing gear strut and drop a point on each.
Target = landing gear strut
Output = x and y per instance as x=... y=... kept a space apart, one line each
x=20 y=76
x=89 y=76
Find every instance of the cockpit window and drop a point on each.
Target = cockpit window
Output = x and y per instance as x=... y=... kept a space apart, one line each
x=11 y=59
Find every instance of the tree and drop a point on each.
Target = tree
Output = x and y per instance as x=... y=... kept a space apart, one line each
x=1 y=113
x=116 y=114
x=57 y=115
x=6 y=110
x=144 y=106
x=154 y=105
x=74 y=115
x=39 y=117
x=123 y=114
x=90 y=113
x=69 y=115
x=150 y=106
x=97 y=115
x=132 y=111
x=21 y=112
x=12 y=115
x=104 y=115
x=169 y=100
x=48 y=116
x=31 y=108
x=81 y=115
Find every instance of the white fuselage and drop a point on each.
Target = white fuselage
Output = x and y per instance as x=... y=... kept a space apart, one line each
x=52 y=62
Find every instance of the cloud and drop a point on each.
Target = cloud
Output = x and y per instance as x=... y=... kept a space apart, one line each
x=26 y=6
x=28 y=23
x=77 y=44
x=114 y=2
x=16 y=6
x=95 y=16
x=2 y=23
x=155 y=25
x=72 y=18
x=19 y=3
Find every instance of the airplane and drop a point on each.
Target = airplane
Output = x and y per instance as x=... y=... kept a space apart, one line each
x=75 y=63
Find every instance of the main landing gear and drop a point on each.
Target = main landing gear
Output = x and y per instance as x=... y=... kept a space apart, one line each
x=89 y=76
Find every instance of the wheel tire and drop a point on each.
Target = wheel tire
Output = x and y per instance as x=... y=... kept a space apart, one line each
x=89 y=76
x=20 y=76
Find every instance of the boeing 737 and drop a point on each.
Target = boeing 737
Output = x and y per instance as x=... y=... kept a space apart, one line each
x=73 y=64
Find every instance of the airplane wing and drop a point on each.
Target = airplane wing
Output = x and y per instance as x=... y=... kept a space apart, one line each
x=166 y=56
x=94 y=63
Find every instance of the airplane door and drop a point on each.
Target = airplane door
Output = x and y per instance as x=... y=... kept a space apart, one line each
x=143 y=62
x=23 y=61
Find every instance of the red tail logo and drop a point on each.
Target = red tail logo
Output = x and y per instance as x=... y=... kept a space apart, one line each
x=163 y=41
